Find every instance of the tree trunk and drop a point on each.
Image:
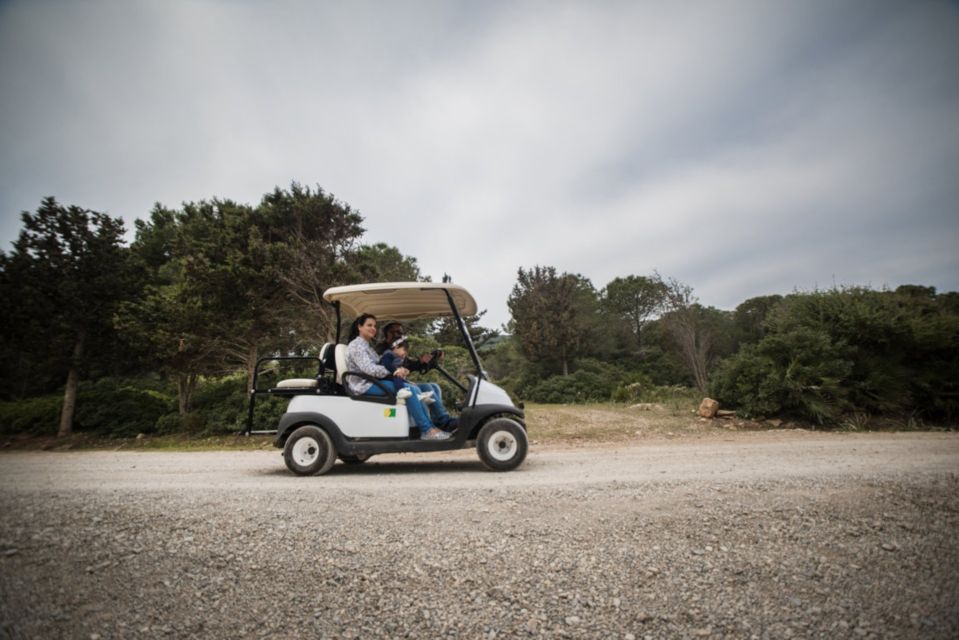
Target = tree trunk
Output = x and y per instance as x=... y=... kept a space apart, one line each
x=250 y=367
x=70 y=393
x=694 y=346
x=185 y=386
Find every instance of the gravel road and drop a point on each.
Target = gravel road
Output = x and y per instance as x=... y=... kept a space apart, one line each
x=745 y=535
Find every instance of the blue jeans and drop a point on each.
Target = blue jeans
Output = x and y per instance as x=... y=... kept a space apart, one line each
x=413 y=405
x=438 y=412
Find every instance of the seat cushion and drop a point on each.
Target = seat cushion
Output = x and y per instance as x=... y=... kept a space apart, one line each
x=297 y=383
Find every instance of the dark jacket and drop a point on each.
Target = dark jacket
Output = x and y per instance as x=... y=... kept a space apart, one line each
x=413 y=365
x=391 y=361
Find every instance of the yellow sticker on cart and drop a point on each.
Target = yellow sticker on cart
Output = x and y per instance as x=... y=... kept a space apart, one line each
x=389 y=413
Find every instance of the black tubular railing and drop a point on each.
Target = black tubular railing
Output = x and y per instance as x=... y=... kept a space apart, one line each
x=254 y=392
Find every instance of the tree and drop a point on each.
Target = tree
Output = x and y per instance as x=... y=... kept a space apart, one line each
x=700 y=334
x=164 y=323
x=227 y=282
x=446 y=330
x=851 y=349
x=70 y=270
x=636 y=300
x=552 y=316
x=28 y=364
x=262 y=271
x=314 y=236
x=750 y=317
x=229 y=271
x=382 y=263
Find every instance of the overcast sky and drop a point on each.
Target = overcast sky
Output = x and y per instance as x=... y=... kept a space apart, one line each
x=744 y=148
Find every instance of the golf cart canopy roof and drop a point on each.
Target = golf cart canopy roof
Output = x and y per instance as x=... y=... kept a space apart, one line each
x=402 y=300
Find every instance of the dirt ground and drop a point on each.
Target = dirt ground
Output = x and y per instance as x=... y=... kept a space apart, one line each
x=764 y=534
x=730 y=456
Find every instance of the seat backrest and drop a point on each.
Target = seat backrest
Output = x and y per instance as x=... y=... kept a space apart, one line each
x=340 y=362
x=328 y=357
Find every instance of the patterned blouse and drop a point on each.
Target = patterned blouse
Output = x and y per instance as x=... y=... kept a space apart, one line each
x=360 y=356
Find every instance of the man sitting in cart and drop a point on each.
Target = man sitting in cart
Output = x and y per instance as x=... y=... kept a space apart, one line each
x=393 y=331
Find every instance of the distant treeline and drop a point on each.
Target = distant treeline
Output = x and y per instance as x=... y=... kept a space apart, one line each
x=162 y=334
x=816 y=356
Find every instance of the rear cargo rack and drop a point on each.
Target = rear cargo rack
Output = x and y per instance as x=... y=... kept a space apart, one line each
x=316 y=388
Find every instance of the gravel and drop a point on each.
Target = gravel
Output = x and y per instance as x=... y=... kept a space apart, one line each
x=766 y=535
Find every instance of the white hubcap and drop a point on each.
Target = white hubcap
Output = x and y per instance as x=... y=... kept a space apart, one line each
x=502 y=446
x=306 y=451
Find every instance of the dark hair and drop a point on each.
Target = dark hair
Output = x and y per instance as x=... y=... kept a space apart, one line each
x=359 y=322
x=386 y=327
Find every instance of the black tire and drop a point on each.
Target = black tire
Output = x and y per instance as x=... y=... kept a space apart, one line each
x=309 y=451
x=502 y=444
x=360 y=459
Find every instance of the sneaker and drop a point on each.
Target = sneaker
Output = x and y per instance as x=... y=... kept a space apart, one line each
x=451 y=424
x=435 y=434
x=403 y=394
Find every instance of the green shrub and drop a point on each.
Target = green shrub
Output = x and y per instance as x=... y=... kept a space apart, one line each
x=581 y=386
x=220 y=406
x=592 y=381
x=799 y=373
x=117 y=409
x=109 y=407
x=34 y=416
x=172 y=423
x=856 y=350
x=632 y=389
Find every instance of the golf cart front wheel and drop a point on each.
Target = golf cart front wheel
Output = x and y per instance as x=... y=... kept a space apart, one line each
x=502 y=444
x=309 y=451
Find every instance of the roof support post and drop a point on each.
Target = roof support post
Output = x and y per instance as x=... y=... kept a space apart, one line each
x=466 y=337
x=336 y=305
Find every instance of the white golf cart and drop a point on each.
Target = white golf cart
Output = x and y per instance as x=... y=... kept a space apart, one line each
x=324 y=420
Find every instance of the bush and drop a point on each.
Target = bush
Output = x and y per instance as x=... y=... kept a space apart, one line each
x=850 y=350
x=117 y=409
x=34 y=416
x=175 y=423
x=801 y=373
x=109 y=407
x=220 y=406
x=632 y=389
x=507 y=366
x=592 y=381
x=581 y=386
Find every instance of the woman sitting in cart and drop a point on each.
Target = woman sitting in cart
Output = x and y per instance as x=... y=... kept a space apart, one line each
x=361 y=357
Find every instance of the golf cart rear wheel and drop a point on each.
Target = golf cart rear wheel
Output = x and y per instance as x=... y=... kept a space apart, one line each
x=309 y=451
x=360 y=459
x=502 y=444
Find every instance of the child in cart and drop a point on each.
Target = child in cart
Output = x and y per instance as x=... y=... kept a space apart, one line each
x=393 y=358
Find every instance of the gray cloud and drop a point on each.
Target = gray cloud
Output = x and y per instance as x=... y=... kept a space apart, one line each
x=743 y=147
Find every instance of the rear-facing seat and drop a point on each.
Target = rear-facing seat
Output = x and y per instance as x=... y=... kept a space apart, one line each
x=326 y=363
